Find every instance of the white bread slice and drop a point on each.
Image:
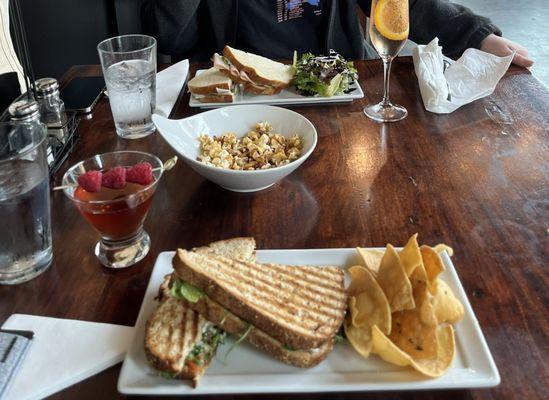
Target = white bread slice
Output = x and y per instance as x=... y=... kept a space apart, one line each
x=261 y=70
x=208 y=82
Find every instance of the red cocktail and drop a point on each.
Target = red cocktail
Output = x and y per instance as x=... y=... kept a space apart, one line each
x=116 y=208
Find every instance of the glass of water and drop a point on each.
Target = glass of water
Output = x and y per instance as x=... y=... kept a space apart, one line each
x=129 y=69
x=25 y=236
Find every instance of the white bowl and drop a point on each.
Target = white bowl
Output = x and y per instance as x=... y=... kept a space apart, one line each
x=182 y=135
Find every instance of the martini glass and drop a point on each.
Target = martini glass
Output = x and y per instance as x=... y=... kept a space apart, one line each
x=116 y=214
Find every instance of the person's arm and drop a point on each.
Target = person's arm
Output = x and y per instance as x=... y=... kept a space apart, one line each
x=457 y=27
x=173 y=23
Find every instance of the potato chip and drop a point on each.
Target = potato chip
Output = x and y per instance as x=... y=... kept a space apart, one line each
x=395 y=283
x=432 y=263
x=367 y=302
x=432 y=367
x=360 y=338
x=414 y=331
x=439 y=248
x=368 y=306
x=371 y=258
x=445 y=304
x=410 y=256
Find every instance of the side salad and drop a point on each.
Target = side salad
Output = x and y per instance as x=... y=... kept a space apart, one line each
x=328 y=76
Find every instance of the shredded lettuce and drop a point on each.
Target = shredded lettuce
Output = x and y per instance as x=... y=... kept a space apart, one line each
x=240 y=340
x=327 y=76
x=184 y=290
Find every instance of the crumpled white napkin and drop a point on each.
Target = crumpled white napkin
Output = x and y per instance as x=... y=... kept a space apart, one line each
x=64 y=352
x=473 y=76
x=168 y=86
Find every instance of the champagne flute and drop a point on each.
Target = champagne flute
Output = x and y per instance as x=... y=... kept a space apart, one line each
x=388 y=31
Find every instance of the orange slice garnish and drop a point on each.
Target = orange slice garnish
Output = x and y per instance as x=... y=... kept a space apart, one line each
x=391 y=19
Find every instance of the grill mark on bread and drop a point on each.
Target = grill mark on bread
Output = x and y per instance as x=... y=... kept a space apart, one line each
x=287 y=289
x=297 y=334
x=300 y=310
x=282 y=292
x=294 y=276
x=321 y=278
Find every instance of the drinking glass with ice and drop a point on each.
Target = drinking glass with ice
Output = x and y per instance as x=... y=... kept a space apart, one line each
x=129 y=69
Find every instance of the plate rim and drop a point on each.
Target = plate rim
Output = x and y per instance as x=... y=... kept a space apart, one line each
x=487 y=374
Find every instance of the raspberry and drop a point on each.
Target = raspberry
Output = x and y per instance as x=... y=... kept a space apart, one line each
x=90 y=181
x=140 y=173
x=115 y=178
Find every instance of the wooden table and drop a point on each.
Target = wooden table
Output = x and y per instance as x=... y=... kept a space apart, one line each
x=476 y=179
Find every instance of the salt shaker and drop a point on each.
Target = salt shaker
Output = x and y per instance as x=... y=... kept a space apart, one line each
x=25 y=110
x=52 y=108
x=28 y=111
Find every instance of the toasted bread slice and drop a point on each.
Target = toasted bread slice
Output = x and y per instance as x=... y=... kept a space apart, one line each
x=261 y=70
x=207 y=82
x=301 y=307
x=173 y=334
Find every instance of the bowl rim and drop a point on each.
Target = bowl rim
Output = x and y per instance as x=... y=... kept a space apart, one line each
x=228 y=171
x=125 y=198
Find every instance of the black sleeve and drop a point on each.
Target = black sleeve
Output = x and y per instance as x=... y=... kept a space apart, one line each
x=457 y=27
x=173 y=23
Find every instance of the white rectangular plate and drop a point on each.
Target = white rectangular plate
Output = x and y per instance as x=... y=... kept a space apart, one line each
x=248 y=370
x=288 y=96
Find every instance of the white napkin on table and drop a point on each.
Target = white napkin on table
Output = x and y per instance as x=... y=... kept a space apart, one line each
x=64 y=352
x=168 y=86
x=473 y=76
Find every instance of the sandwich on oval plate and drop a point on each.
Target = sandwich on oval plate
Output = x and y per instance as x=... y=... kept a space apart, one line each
x=211 y=86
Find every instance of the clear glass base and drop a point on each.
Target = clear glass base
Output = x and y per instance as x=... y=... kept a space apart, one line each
x=125 y=253
x=24 y=272
x=135 y=132
x=385 y=112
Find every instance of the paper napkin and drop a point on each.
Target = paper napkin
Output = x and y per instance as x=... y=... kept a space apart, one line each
x=473 y=76
x=168 y=86
x=64 y=352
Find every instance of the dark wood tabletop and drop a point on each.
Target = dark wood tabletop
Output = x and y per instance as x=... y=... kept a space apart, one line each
x=476 y=179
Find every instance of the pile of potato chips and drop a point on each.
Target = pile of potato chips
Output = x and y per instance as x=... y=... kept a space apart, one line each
x=400 y=309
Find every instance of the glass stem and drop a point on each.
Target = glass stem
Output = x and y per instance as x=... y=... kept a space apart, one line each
x=386 y=77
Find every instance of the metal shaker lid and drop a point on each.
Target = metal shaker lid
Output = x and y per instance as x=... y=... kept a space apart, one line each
x=24 y=109
x=45 y=86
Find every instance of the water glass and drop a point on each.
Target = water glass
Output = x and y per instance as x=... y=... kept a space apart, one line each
x=25 y=237
x=129 y=69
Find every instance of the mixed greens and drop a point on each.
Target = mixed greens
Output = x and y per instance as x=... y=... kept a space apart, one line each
x=329 y=75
